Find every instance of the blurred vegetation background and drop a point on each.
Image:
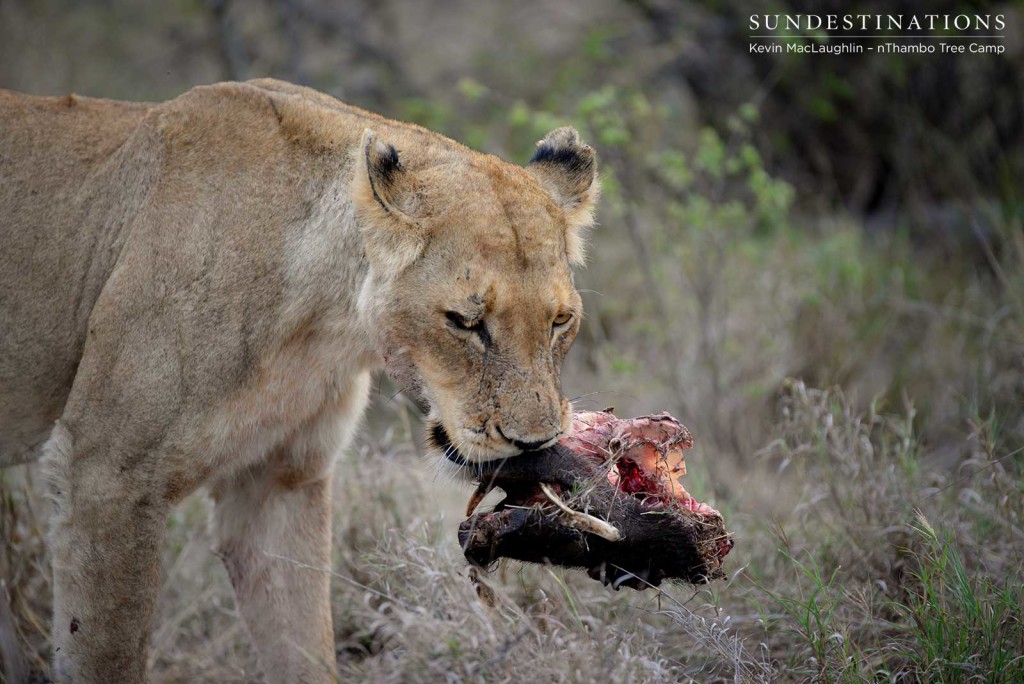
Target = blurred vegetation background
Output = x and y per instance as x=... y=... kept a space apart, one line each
x=816 y=262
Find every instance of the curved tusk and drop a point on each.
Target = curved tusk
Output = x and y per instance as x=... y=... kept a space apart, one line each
x=477 y=497
x=583 y=522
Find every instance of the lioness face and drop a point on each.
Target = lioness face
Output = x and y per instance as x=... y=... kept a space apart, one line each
x=481 y=313
x=495 y=314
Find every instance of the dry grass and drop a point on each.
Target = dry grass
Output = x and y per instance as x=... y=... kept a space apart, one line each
x=873 y=544
x=863 y=579
x=405 y=607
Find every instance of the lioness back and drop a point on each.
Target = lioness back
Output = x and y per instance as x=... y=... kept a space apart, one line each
x=95 y=189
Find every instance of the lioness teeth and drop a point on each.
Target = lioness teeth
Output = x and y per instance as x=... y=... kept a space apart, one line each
x=584 y=522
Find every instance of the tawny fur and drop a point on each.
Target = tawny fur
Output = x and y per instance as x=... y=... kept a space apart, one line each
x=194 y=293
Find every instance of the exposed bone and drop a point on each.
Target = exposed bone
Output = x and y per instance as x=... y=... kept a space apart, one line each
x=477 y=497
x=583 y=522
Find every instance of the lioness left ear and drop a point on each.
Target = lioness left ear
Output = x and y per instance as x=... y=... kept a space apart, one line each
x=567 y=170
x=383 y=190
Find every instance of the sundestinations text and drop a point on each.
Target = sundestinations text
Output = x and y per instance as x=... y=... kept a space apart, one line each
x=877 y=22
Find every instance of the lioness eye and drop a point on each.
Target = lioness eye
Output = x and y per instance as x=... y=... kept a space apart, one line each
x=562 y=318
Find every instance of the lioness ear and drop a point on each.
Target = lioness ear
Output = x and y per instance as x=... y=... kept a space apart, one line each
x=567 y=170
x=382 y=191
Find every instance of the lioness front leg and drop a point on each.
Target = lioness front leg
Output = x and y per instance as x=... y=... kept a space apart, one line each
x=273 y=524
x=275 y=540
x=106 y=534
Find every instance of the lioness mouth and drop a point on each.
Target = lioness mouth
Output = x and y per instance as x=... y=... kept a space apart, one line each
x=607 y=498
x=437 y=438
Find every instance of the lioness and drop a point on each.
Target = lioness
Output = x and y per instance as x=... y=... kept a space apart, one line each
x=196 y=292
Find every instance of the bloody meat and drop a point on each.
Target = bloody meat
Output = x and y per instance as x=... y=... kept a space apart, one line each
x=608 y=499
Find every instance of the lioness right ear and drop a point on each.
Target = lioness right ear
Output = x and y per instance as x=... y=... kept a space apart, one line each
x=382 y=191
x=567 y=169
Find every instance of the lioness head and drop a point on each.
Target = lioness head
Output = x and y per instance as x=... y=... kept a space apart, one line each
x=471 y=290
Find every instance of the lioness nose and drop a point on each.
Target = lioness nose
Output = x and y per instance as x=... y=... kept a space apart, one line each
x=524 y=445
